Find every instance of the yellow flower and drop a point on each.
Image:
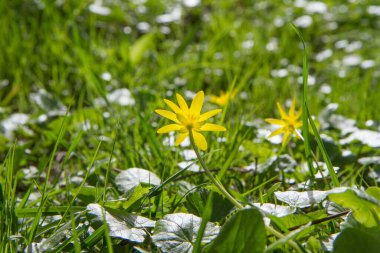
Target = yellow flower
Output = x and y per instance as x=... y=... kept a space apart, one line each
x=289 y=123
x=189 y=119
x=223 y=98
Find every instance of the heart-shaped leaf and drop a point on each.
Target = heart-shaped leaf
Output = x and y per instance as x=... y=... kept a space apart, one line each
x=121 y=225
x=244 y=232
x=364 y=207
x=176 y=233
x=305 y=199
x=353 y=240
x=130 y=178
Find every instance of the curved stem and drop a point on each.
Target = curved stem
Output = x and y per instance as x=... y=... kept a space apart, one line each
x=214 y=180
x=280 y=236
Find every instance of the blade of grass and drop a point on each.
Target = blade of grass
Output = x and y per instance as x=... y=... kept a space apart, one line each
x=205 y=218
x=33 y=229
x=286 y=239
x=106 y=233
x=8 y=218
x=306 y=118
x=305 y=123
x=109 y=161
x=322 y=148
x=75 y=236
x=156 y=190
x=31 y=212
x=94 y=237
x=69 y=208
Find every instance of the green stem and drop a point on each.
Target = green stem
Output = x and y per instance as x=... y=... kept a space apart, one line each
x=280 y=236
x=215 y=181
x=223 y=190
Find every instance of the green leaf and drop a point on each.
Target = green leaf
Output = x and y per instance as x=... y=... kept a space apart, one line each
x=87 y=194
x=301 y=199
x=374 y=192
x=244 y=232
x=139 y=48
x=280 y=242
x=121 y=225
x=130 y=178
x=273 y=209
x=353 y=240
x=365 y=208
x=196 y=203
x=293 y=221
x=177 y=233
x=277 y=163
x=135 y=198
x=313 y=244
x=132 y=201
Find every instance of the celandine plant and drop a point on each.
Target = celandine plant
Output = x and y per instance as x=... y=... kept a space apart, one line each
x=190 y=122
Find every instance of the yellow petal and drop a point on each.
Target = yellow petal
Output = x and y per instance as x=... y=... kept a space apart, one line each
x=285 y=139
x=208 y=115
x=298 y=124
x=181 y=137
x=172 y=106
x=214 y=99
x=169 y=128
x=277 y=132
x=281 y=110
x=212 y=127
x=182 y=119
x=292 y=108
x=167 y=114
x=182 y=103
x=276 y=122
x=200 y=140
x=196 y=105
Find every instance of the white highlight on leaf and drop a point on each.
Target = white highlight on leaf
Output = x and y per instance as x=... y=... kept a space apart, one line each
x=367 y=137
x=11 y=124
x=129 y=227
x=276 y=210
x=305 y=199
x=176 y=233
x=130 y=178
x=98 y=8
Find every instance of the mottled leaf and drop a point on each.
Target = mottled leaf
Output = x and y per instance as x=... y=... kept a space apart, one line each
x=176 y=233
x=121 y=225
x=305 y=199
x=130 y=178
x=276 y=210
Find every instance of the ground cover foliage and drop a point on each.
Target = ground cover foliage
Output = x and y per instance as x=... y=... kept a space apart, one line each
x=83 y=168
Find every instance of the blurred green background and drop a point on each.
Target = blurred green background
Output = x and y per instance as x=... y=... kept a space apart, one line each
x=79 y=50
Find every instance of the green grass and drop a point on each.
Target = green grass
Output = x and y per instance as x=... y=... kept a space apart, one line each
x=78 y=146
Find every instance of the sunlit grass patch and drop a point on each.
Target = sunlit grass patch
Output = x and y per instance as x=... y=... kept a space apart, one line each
x=82 y=168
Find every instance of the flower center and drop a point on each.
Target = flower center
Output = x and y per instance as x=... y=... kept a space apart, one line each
x=290 y=126
x=188 y=121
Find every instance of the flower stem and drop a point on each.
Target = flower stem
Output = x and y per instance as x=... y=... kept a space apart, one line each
x=280 y=236
x=214 y=180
